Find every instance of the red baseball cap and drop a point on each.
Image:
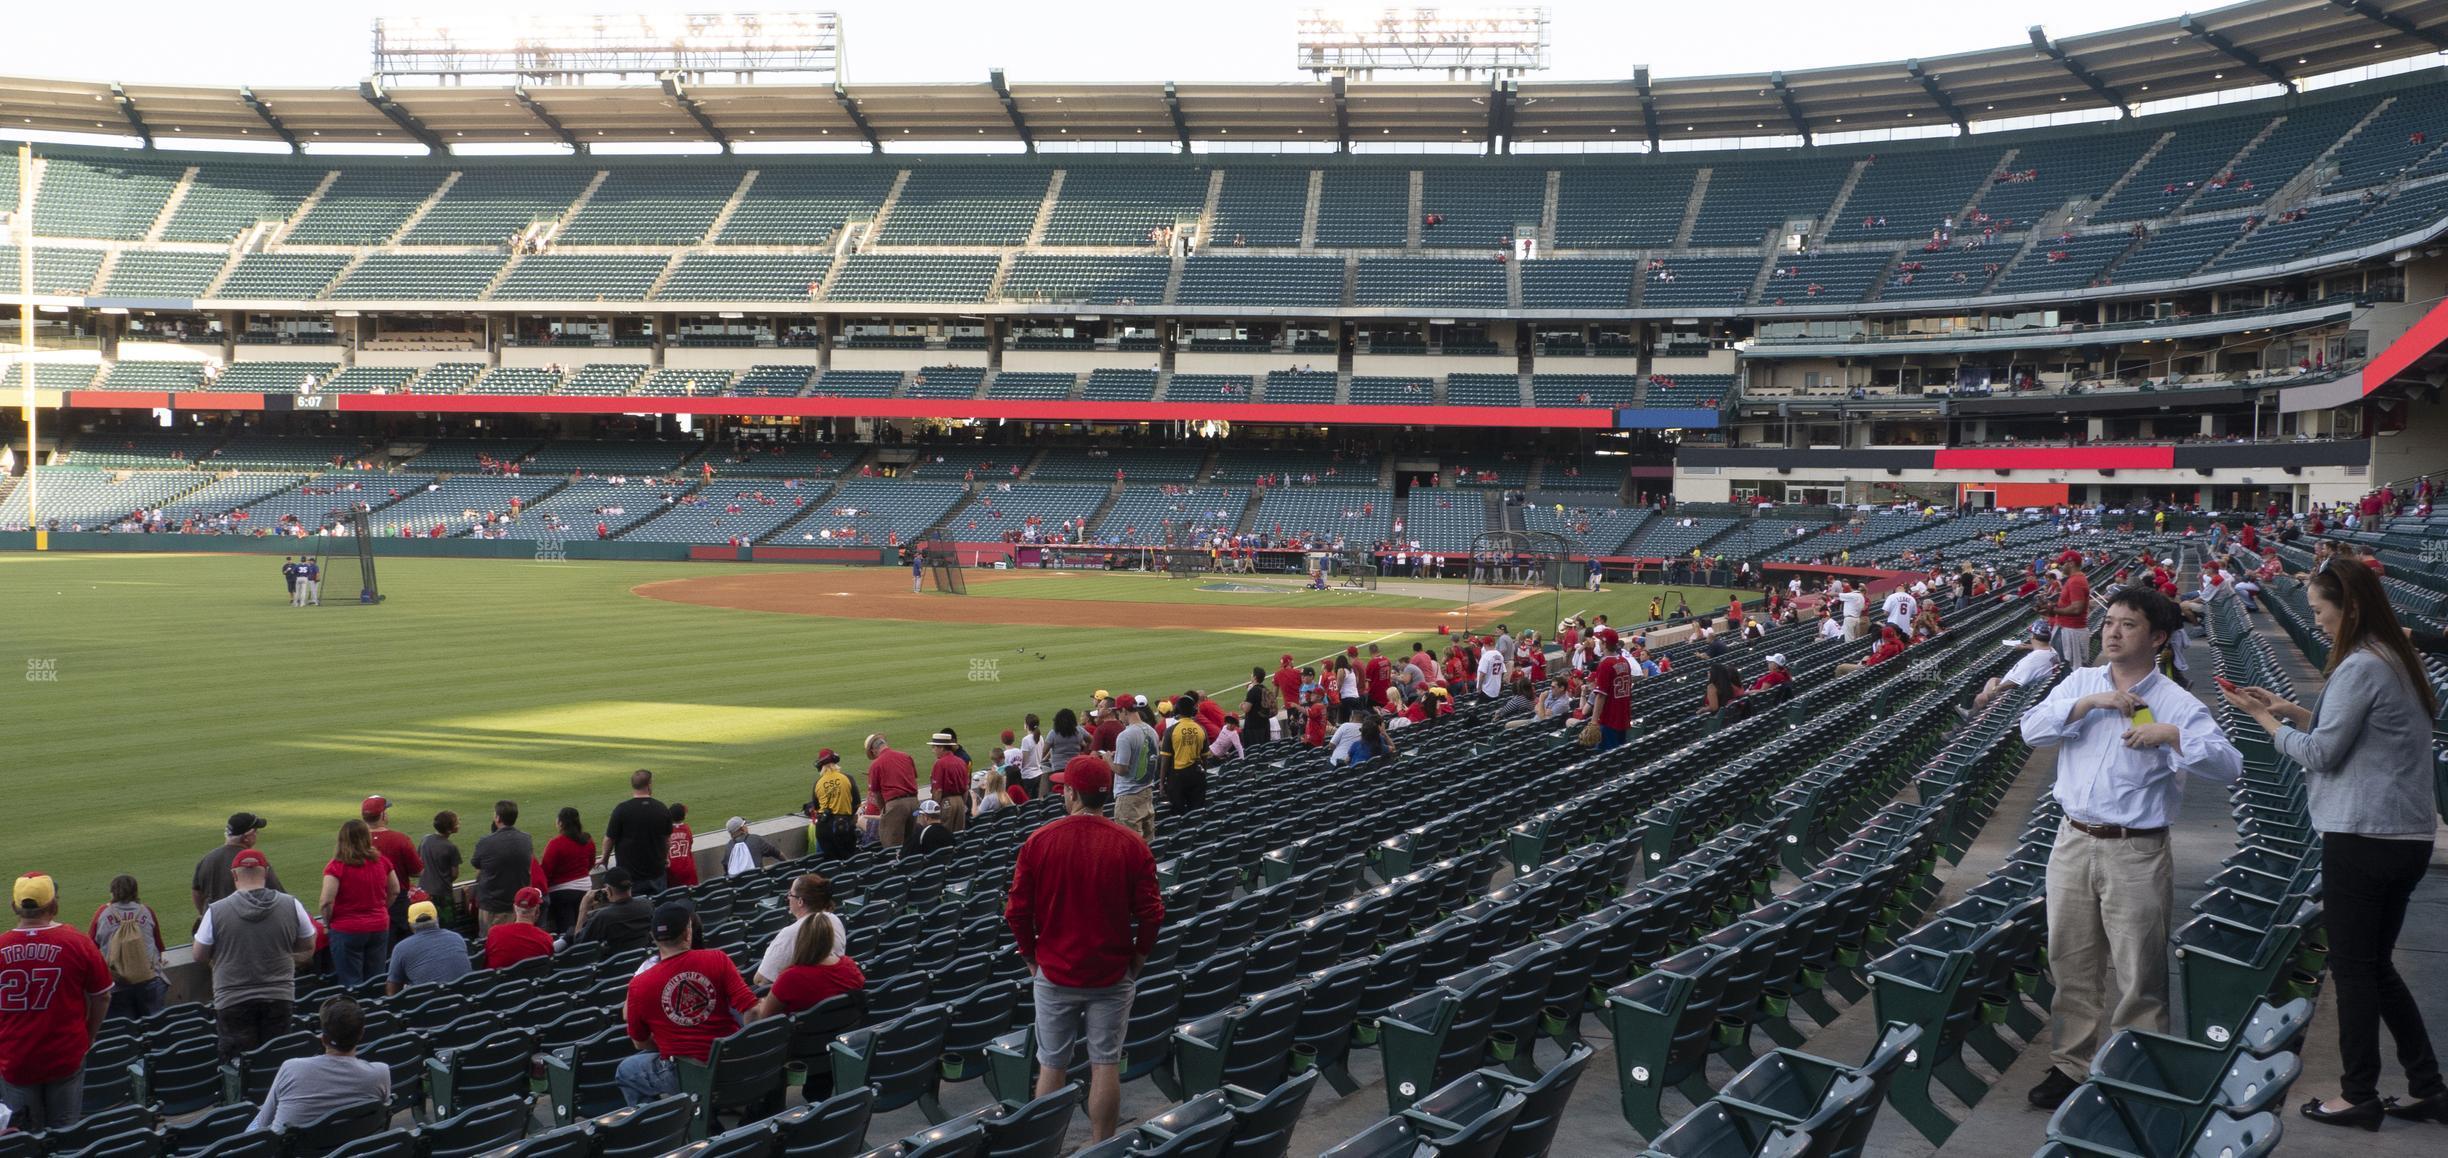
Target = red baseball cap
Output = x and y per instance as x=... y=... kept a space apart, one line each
x=528 y=898
x=1085 y=773
x=1607 y=636
x=374 y=806
x=249 y=858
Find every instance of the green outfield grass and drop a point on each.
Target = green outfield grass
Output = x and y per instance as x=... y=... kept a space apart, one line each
x=183 y=687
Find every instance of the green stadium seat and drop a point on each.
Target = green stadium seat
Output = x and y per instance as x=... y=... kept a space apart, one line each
x=336 y=1129
x=476 y=1129
x=742 y=1071
x=658 y=1127
x=248 y=1078
x=490 y=1069
x=1249 y=1045
x=227 y=199
x=899 y=1058
x=836 y=1125
x=578 y=1078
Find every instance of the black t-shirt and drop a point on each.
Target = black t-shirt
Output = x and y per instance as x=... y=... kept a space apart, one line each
x=640 y=832
x=621 y=925
x=928 y=837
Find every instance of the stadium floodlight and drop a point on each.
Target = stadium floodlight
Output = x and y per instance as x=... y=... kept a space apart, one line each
x=792 y=47
x=1461 y=42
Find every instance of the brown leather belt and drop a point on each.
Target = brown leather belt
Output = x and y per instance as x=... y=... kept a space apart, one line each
x=2113 y=831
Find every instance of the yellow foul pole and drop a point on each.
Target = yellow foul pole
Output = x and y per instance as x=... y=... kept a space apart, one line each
x=25 y=325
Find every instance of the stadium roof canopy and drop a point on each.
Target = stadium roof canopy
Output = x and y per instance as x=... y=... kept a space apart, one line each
x=2252 y=43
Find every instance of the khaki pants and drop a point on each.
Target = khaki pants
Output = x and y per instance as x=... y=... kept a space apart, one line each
x=1855 y=628
x=896 y=826
x=2108 y=906
x=1137 y=812
x=955 y=812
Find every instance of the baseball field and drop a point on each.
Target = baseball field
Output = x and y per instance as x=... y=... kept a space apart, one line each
x=162 y=692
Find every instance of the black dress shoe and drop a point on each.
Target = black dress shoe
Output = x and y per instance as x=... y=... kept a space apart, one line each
x=2430 y=1109
x=2053 y=1090
x=2364 y=1114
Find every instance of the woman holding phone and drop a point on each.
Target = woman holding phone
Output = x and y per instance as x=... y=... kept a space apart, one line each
x=2366 y=754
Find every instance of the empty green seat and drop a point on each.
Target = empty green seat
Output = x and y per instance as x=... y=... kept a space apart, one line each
x=658 y=1127
x=578 y=1078
x=898 y=1058
x=1249 y=1045
x=836 y=1125
x=491 y=1068
x=476 y=1129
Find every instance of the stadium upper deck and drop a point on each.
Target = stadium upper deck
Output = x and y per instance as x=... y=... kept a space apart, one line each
x=2221 y=196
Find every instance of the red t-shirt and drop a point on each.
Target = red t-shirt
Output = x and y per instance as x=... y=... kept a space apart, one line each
x=891 y=776
x=566 y=860
x=2077 y=591
x=682 y=852
x=949 y=778
x=684 y=1002
x=1084 y=901
x=511 y=942
x=1887 y=649
x=1313 y=726
x=1287 y=681
x=398 y=848
x=1107 y=731
x=801 y=986
x=1771 y=678
x=362 y=905
x=45 y=976
x=1375 y=678
x=1615 y=683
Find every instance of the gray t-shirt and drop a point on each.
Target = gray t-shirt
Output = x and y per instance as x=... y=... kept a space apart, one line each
x=429 y=955
x=441 y=859
x=1136 y=744
x=307 y=1088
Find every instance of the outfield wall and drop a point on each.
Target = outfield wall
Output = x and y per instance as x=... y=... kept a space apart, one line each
x=388 y=547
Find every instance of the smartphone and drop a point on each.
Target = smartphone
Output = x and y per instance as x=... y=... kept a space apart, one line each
x=2142 y=715
x=2225 y=684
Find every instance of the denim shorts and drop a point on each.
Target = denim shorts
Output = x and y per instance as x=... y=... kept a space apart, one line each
x=1065 y=1016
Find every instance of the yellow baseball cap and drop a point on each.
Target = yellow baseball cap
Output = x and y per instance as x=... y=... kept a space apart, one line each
x=1100 y=694
x=34 y=892
x=423 y=912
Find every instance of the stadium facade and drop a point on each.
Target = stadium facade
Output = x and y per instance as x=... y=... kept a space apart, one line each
x=2227 y=305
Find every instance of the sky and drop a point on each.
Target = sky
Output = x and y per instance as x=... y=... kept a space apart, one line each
x=329 y=43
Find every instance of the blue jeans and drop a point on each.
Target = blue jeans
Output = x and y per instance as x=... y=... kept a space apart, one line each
x=1609 y=737
x=647 y=886
x=644 y=1077
x=360 y=957
x=139 y=1000
x=45 y=1107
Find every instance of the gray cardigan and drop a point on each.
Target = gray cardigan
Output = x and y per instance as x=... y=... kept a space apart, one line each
x=2368 y=755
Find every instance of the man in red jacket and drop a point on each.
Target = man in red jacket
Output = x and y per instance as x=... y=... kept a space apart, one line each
x=1085 y=912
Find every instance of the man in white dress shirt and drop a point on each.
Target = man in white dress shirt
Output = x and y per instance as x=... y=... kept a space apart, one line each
x=2111 y=884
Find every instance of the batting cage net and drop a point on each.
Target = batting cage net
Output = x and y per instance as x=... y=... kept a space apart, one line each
x=1184 y=562
x=1352 y=570
x=361 y=529
x=944 y=568
x=1510 y=561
